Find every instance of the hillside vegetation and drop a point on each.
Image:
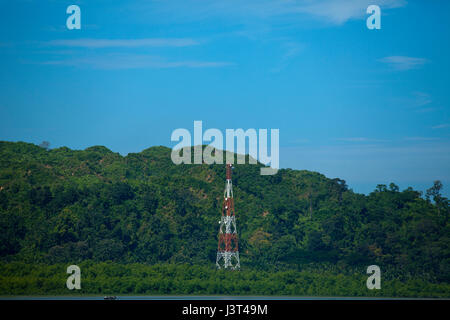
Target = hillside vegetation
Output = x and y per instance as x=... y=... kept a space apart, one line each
x=62 y=206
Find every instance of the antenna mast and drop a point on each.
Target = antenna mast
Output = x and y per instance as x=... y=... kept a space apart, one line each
x=228 y=251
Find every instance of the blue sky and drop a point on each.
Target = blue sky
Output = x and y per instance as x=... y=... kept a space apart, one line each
x=367 y=106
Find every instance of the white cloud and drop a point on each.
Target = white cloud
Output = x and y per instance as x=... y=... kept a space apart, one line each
x=419 y=102
x=123 y=43
x=132 y=61
x=425 y=110
x=332 y=11
x=111 y=60
x=340 y=11
x=403 y=63
x=353 y=139
x=359 y=139
x=422 y=99
x=292 y=49
x=441 y=126
x=421 y=139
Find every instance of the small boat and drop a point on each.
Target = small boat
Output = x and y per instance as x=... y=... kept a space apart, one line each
x=110 y=298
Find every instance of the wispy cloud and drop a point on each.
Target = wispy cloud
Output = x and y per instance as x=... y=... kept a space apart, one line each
x=418 y=139
x=353 y=139
x=425 y=110
x=441 y=126
x=358 y=139
x=299 y=141
x=110 y=60
x=340 y=11
x=403 y=63
x=123 y=43
x=132 y=61
x=419 y=102
x=363 y=139
x=421 y=99
x=332 y=11
x=292 y=49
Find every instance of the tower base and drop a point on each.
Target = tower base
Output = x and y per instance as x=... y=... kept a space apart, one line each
x=228 y=260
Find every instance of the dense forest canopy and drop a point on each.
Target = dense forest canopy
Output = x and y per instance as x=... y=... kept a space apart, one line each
x=68 y=206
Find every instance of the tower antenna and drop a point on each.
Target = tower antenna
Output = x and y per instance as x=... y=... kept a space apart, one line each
x=228 y=249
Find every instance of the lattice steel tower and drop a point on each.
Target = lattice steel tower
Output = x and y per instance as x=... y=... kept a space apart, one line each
x=228 y=251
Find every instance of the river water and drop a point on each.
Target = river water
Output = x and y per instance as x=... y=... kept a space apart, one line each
x=257 y=298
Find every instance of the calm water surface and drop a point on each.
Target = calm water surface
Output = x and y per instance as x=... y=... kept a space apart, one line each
x=196 y=298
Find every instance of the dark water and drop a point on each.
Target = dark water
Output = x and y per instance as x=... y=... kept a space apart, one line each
x=257 y=298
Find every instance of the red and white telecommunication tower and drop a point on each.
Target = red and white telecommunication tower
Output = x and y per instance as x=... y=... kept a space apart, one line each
x=228 y=250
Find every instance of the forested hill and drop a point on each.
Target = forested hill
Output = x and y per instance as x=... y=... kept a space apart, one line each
x=63 y=205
